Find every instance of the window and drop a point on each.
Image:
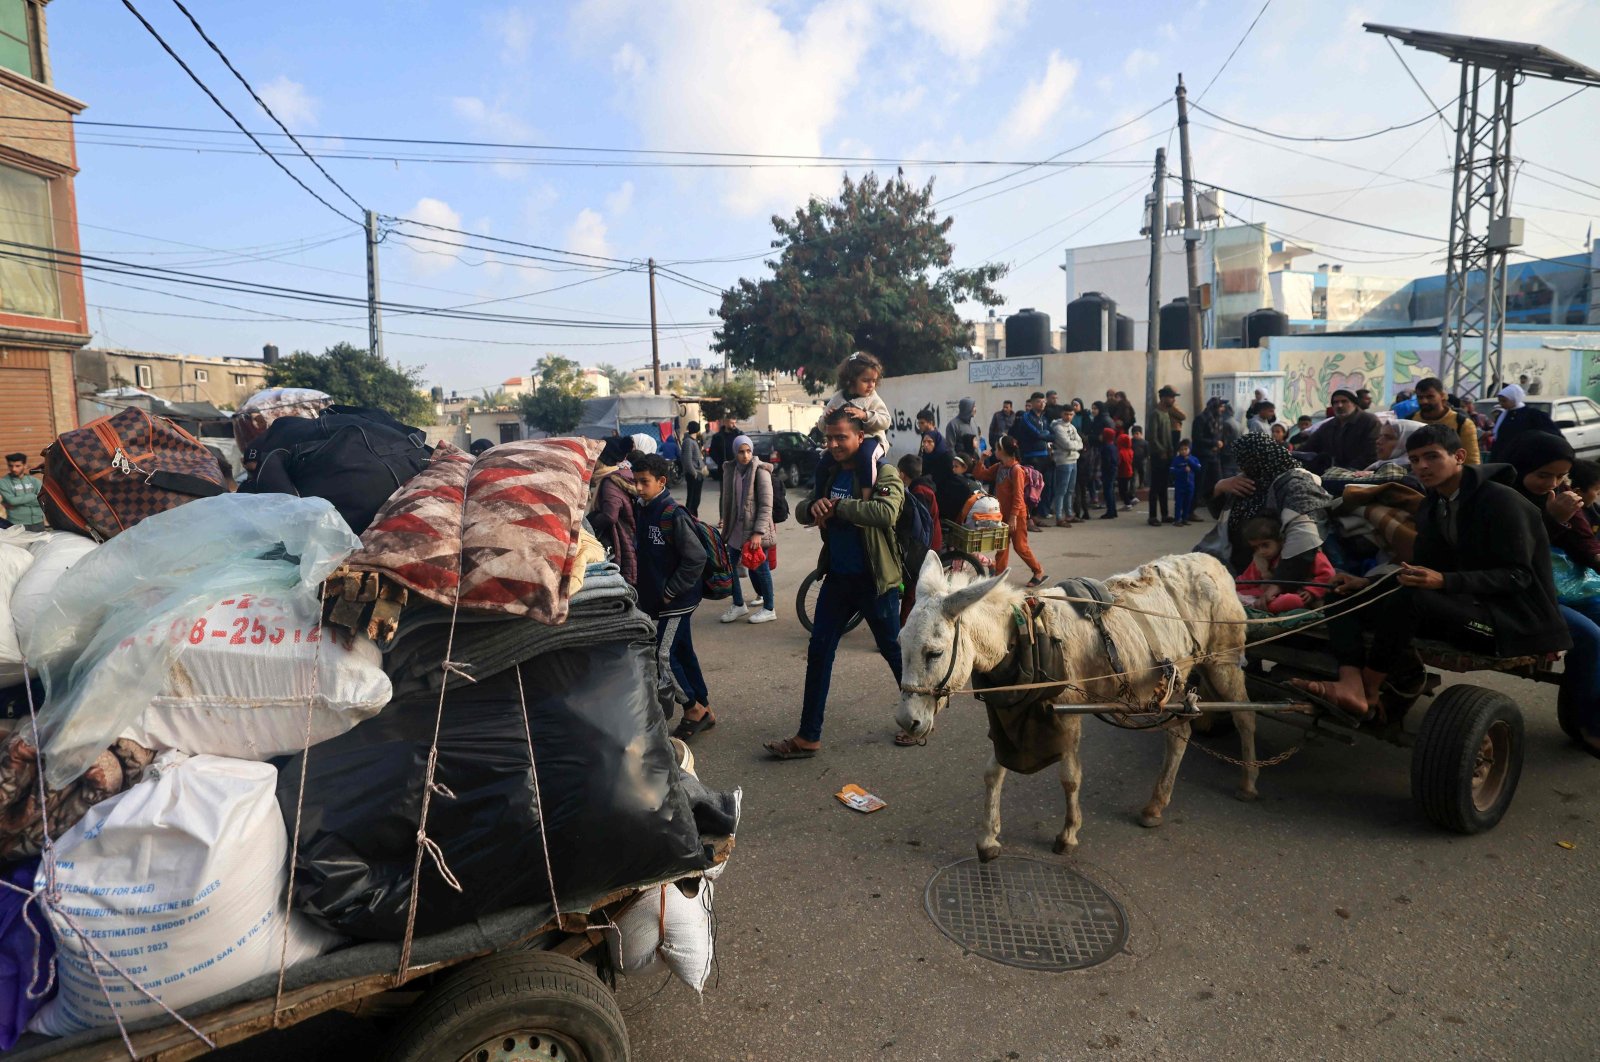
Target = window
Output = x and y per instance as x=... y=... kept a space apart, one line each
x=1588 y=412
x=202 y=376
x=143 y=377
x=240 y=380
x=510 y=432
x=16 y=33
x=28 y=282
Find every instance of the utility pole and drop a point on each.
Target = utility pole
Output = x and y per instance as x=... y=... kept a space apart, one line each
x=374 y=315
x=655 y=345
x=1152 y=339
x=1191 y=252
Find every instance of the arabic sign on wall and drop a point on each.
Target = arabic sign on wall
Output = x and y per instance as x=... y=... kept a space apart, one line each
x=1007 y=372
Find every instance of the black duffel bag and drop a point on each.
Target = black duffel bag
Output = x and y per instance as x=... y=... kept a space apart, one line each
x=353 y=456
x=617 y=810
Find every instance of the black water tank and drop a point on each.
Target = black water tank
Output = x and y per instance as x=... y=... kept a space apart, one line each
x=1091 y=322
x=1028 y=334
x=1124 y=333
x=269 y=353
x=1259 y=324
x=1174 y=329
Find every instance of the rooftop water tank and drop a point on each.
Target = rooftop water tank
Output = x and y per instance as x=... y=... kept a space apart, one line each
x=1124 y=333
x=1173 y=331
x=1259 y=324
x=1091 y=322
x=1028 y=334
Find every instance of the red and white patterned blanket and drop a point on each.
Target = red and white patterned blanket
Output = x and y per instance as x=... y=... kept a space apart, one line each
x=503 y=529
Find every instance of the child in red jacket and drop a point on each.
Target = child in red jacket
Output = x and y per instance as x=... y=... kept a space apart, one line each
x=1265 y=537
x=1125 y=467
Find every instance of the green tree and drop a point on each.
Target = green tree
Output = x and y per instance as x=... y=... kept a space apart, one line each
x=737 y=396
x=357 y=377
x=622 y=381
x=557 y=404
x=869 y=271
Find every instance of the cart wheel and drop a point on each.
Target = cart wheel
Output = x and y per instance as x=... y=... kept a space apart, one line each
x=805 y=601
x=954 y=559
x=512 y=1006
x=1467 y=759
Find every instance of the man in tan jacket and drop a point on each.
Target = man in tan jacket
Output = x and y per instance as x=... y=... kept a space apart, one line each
x=1432 y=408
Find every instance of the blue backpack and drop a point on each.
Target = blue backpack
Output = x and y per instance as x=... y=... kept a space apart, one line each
x=716 y=580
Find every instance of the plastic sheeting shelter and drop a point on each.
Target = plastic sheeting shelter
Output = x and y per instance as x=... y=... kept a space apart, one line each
x=627 y=415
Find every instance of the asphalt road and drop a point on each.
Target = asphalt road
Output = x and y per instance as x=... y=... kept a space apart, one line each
x=1324 y=921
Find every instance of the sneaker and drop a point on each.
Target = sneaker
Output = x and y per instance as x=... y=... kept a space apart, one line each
x=734 y=612
x=765 y=615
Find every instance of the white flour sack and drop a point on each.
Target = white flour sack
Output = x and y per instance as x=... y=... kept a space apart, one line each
x=52 y=556
x=664 y=926
x=179 y=882
x=246 y=670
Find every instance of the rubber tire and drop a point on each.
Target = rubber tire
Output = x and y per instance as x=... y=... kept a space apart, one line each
x=510 y=991
x=802 y=603
x=1445 y=753
x=950 y=556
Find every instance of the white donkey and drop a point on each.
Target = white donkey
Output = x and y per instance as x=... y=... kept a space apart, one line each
x=963 y=629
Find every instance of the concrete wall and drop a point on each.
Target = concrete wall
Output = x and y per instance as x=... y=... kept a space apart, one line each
x=1085 y=376
x=173 y=377
x=784 y=416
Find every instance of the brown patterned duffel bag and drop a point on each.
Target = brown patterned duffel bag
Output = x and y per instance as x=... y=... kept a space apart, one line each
x=106 y=476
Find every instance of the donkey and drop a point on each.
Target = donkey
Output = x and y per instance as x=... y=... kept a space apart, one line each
x=962 y=628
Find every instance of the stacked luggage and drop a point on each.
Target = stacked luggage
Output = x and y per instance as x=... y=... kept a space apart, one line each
x=182 y=710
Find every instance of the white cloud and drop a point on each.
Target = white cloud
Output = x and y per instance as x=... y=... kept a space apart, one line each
x=1140 y=61
x=1042 y=98
x=513 y=28
x=587 y=234
x=621 y=200
x=490 y=119
x=290 y=101
x=737 y=76
x=962 y=27
x=432 y=258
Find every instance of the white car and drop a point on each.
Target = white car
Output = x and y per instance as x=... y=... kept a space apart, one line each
x=1577 y=416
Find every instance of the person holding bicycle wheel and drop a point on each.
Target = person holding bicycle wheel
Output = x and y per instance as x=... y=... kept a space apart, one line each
x=861 y=559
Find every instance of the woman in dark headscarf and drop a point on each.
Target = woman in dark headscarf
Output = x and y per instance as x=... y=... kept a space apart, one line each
x=1206 y=445
x=932 y=443
x=1272 y=483
x=1542 y=462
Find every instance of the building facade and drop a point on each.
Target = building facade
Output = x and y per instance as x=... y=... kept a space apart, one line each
x=224 y=382
x=42 y=315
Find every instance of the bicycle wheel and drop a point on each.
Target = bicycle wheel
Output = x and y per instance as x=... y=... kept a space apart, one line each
x=955 y=560
x=805 y=601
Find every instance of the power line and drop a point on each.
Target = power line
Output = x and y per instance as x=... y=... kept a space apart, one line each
x=512 y=243
x=1247 y=31
x=1444 y=126
x=1322 y=139
x=1081 y=228
x=558 y=265
x=223 y=108
x=1547 y=106
x=1320 y=214
x=263 y=104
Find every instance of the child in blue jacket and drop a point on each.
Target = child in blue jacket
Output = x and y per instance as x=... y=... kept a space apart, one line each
x=671 y=562
x=1185 y=467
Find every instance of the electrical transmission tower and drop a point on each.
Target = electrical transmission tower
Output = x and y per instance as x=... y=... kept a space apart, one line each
x=1482 y=229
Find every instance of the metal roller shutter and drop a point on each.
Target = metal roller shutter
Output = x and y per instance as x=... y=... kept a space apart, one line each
x=26 y=421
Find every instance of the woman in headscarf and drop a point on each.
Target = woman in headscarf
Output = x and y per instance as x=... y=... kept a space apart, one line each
x=1392 y=444
x=1272 y=483
x=1207 y=446
x=1229 y=434
x=1542 y=463
x=611 y=505
x=747 y=515
x=1516 y=418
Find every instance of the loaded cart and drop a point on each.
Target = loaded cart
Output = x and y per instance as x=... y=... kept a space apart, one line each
x=518 y=984
x=1466 y=753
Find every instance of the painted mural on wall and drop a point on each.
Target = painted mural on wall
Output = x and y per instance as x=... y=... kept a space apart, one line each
x=1310 y=376
x=1408 y=369
x=1547 y=370
x=1590 y=384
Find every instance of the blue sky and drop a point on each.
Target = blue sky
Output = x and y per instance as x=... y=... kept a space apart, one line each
x=903 y=79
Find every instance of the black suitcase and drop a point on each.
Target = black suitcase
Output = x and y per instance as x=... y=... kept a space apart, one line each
x=352 y=456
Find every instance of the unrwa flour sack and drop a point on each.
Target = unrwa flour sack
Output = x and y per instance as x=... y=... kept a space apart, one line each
x=246 y=670
x=179 y=882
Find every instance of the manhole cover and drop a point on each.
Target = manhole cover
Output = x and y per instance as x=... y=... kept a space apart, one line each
x=1028 y=913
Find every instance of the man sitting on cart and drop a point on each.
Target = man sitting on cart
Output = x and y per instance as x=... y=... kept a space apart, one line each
x=1480 y=578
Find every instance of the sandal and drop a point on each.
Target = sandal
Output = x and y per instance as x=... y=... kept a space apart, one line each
x=788 y=750
x=687 y=728
x=1036 y=582
x=906 y=741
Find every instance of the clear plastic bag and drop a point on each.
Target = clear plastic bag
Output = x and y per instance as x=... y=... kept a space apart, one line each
x=174 y=564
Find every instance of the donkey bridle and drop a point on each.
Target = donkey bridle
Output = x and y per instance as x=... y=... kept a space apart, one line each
x=942 y=690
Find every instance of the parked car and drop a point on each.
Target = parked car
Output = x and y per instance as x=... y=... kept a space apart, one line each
x=1578 y=418
x=793 y=455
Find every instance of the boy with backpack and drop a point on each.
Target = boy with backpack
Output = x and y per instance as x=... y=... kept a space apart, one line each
x=920 y=497
x=671 y=560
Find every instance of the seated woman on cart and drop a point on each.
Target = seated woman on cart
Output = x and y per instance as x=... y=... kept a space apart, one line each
x=1480 y=578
